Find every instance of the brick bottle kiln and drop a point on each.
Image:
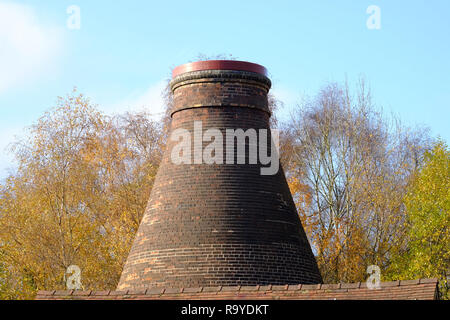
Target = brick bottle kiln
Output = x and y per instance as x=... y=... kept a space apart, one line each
x=219 y=224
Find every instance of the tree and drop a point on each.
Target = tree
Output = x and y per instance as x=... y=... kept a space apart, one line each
x=77 y=197
x=353 y=168
x=427 y=202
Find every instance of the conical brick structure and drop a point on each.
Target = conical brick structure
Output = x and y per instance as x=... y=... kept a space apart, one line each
x=219 y=224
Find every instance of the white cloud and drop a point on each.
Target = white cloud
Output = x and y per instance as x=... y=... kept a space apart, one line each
x=150 y=100
x=27 y=47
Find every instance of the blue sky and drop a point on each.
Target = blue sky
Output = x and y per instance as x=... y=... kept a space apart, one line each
x=124 y=50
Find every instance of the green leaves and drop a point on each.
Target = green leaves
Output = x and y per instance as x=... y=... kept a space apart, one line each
x=428 y=220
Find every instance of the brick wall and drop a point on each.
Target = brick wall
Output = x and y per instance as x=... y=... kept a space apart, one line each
x=220 y=224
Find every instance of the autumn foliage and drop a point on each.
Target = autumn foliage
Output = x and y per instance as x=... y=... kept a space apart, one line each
x=427 y=251
x=368 y=192
x=77 y=197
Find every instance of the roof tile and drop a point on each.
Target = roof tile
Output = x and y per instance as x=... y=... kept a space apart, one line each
x=82 y=293
x=154 y=291
x=406 y=289
x=294 y=287
x=173 y=290
x=311 y=286
x=101 y=293
x=45 y=292
x=330 y=286
x=430 y=280
x=193 y=290
x=118 y=293
x=212 y=289
x=249 y=288
x=390 y=284
x=231 y=288
x=409 y=282
x=63 y=292
x=265 y=288
x=137 y=292
x=279 y=288
x=355 y=285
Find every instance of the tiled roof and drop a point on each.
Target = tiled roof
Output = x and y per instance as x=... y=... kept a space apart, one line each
x=423 y=289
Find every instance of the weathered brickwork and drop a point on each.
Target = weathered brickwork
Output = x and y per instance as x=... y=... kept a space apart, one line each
x=219 y=224
x=220 y=88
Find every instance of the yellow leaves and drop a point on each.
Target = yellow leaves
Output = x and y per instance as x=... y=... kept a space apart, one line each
x=78 y=173
x=428 y=212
